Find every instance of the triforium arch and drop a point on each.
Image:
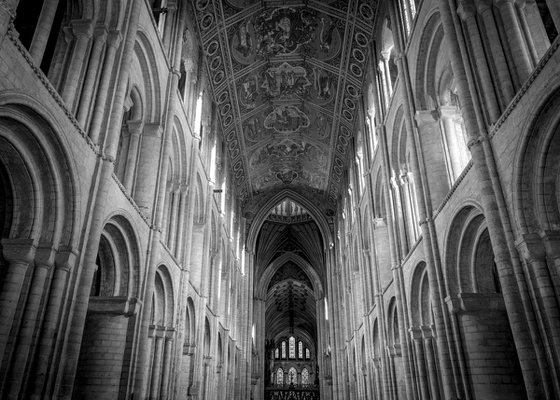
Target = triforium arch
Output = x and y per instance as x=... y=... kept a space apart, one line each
x=112 y=311
x=478 y=307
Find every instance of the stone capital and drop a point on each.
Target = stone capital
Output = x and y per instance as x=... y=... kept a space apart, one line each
x=114 y=305
x=451 y=112
x=426 y=117
x=66 y=259
x=551 y=242
x=135 y=127
x=501 y=3
x=427 y=331
x=19 y=250
x=153 y=129
x=100 y=33
x=114 y=38
x=531 y=247
x=82 y=27
x=483 y=5
x=45 y=255
x=415 y=332
x=466 y=9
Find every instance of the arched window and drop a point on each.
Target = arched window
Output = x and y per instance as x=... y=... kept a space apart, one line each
x=280 y=376
x=283 y=349
x=277 y=353
x=292 y=347
x=307 y=355
x=292 y=376
x=305 y=376
x=300 y=349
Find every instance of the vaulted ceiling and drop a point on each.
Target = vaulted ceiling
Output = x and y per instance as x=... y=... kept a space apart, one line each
x=286 y=77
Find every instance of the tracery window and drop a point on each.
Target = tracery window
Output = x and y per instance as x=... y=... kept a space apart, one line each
x=305 y=376
x=300 y=349
x=283 y=349
x=292 y=376
x=280 y=376
x=292 y=347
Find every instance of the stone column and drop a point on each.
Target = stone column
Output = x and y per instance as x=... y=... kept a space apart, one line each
x=533 y=27
x=147 y=170
x=531 y=248
x=42 y=31
x=416 y=335
x=155 y=380
x=95 y=60
x=458 y=153
x=135 y=131
x=496 y=51
x=438 y=156
x=82 y=31
x=184 y=192
x=173 y=223
x=402 y=241
x=386 y=57
x=98 y=114
x=167 y=363
x=467 y=12
x=31 y=318
x=431 y=362
x=515 y=39
x=19 y=253
x=410 y=212
x=45 y=357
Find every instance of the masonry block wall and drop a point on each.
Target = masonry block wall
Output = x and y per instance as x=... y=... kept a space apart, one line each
x=108 y=212
x=461 y=229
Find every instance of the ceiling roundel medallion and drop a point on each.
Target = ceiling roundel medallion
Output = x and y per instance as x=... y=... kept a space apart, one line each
x=207 y=21
x=212 y=48
x=366 y=11
x=201 y=5
x=222 y=98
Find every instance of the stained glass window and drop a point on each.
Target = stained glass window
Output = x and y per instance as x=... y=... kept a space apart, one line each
x=277 y=353
x=300 y=349
x=283 y=349
x=292 y=352
x=280 y=376
x=307 y=355
x=292 y=376
x=305 y=376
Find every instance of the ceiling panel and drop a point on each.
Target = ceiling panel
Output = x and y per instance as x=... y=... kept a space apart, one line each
x=287 y=77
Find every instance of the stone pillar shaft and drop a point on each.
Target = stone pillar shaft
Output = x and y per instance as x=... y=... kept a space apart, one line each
x=515 y=39
x=95 y=60
x=19 y=254
x=42 y=31
x=82 y=31
x=98 y=113
x=467 y=12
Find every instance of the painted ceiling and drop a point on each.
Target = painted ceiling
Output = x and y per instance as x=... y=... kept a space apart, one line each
x=286 y=77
